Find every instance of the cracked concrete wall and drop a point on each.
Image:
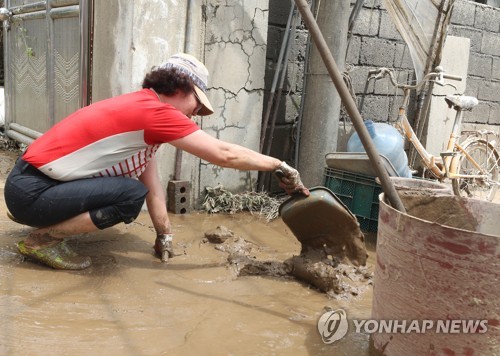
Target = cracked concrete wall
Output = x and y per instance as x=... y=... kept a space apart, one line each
x=230 y=37
x=235 y=50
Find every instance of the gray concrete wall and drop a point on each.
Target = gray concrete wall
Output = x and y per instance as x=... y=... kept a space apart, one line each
x=235 y=50
x=376 y=43
x=133 y=36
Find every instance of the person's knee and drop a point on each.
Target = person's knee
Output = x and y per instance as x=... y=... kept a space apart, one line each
x=134 y=194
x=130 y=210
x=126 y=210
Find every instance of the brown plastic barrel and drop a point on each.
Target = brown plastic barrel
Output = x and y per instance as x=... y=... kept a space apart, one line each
x=426 y=270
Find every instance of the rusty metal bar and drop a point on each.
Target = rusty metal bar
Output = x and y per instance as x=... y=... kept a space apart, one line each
x=350 y=105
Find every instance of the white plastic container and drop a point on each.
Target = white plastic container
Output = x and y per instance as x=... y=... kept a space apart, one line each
x=388 y=142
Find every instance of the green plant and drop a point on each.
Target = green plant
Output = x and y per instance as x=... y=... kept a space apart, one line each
x=23 y=33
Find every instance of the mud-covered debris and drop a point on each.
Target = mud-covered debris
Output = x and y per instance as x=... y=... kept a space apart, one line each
x=316 y=268
x=219 y=234
x=247 y=266
x=237 y=245
x=323 y=268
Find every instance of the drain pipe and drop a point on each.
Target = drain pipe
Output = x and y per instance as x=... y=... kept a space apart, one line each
x=350 y=105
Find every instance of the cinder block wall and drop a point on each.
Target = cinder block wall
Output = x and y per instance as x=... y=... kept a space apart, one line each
x=481 y=24
x=375 y=43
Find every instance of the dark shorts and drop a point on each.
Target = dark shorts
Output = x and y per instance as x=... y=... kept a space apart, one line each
x=37 y=200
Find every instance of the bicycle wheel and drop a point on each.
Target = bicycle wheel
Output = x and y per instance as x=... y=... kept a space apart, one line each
x=485 y=155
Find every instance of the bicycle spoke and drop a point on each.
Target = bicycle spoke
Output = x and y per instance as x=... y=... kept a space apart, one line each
x=485 y=157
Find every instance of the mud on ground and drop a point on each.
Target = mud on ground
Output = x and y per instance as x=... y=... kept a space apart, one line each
x=129 y=303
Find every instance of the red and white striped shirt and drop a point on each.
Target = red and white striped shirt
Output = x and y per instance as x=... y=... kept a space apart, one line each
x=112 y=137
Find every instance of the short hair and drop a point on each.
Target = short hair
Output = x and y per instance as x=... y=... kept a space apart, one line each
x=167 y=81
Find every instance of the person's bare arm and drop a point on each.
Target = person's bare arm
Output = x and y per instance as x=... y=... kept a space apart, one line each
x=225 y=154
x=230 y=155
x=155 y=199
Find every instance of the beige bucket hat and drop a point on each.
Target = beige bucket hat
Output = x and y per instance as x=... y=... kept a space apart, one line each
x=198 y=74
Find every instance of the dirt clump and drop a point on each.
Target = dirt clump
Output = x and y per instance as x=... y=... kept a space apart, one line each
x=219 y=235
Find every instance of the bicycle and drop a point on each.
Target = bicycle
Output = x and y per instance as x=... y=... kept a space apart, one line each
x=472 y=165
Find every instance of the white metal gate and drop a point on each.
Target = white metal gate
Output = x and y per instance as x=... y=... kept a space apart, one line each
x=47 y=46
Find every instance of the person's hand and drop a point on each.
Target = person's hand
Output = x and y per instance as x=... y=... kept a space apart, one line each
x=164 y=247
x=289 y=180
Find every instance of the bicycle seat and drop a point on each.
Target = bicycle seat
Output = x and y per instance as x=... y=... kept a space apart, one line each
x=461 y=102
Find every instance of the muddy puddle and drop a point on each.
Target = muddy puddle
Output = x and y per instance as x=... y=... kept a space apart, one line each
x=129 y=303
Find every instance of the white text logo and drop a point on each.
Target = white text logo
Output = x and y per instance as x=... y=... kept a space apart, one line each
x=333 y=326
x=421 y=326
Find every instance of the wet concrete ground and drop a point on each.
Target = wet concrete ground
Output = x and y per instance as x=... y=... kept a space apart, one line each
x=129 y=303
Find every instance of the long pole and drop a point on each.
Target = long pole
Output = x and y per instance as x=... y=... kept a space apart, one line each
x=349 y=104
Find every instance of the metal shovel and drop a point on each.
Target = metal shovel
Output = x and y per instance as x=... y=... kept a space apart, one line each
x=322 y=222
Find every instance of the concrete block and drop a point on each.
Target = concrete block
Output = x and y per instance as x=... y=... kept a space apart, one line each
x=489 y=91
x=491 y=43
x=359 y=75
x=367 y=23
x=480 y=65
x=480 y=114
x=494 y=115
x=178 y=195
x=473 y=85
x=463 y=13
x=377 y=52
x=495 y=74
x=388 y=29
x=375 y=108
x=487 y=18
